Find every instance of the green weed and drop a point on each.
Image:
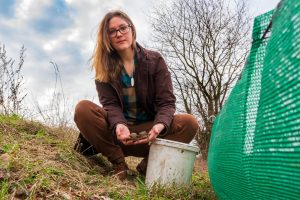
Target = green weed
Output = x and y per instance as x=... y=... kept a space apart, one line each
x=3 y=190
x=10 y=148
x=10 y=118
x=40 y=133
x=53 y=171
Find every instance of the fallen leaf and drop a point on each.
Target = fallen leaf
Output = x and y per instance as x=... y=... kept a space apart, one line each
x=4 y=160
x=105 y=198
x=2 y=176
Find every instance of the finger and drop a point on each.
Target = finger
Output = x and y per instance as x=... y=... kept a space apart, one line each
x=128 y=142
x=119 y=137
x=152 y=139
x=124 y=135
x=152 y=136
x=155 y=130
x=142 y=141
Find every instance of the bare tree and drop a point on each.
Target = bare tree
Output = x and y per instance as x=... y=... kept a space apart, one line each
x=205 y=44
x=11 y=81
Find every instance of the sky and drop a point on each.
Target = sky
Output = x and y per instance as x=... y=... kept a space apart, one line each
x=64 y=32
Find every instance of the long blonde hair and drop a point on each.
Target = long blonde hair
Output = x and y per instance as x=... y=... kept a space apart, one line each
x=105 y=60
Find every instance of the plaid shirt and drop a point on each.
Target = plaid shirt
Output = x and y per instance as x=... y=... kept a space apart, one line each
x=132 y=111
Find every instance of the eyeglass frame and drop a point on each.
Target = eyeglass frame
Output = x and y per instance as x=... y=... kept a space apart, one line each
x=114 y=32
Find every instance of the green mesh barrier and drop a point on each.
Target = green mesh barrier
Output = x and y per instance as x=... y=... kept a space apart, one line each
x=254 y=150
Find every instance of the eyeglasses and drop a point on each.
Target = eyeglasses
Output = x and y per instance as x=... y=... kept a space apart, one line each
x=122 y=29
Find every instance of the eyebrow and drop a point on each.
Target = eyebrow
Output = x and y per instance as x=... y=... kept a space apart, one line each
x=113 y=28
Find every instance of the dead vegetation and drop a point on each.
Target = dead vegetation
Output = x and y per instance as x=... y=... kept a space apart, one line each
x=11 y=81
x=38 y=162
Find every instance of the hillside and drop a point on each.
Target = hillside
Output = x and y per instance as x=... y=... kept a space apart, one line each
x=38 y=162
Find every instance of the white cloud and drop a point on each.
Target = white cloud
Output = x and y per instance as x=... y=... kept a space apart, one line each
x=69 y=44
x=28 y=9
x=258 y=7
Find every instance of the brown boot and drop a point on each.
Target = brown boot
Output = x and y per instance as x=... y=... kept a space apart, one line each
x=120 y=170
x=142 y=166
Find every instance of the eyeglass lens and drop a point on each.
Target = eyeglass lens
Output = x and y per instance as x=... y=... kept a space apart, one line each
x=122 y=30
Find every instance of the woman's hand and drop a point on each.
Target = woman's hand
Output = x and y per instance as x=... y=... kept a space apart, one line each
x=123 y=134
x=153 y=133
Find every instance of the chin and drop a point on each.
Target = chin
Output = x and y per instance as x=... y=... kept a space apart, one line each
x=122 y=47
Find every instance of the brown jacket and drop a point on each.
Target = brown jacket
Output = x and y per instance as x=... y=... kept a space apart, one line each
x=153 y=87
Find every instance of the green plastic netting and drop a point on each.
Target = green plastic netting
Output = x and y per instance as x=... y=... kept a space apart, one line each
x=254 y=149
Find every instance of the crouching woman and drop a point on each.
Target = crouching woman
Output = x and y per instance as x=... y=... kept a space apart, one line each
x=135 y=89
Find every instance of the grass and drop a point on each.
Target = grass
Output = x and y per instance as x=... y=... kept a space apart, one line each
x=38 y=162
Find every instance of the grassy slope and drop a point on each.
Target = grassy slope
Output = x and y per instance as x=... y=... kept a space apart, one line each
x=38 y=162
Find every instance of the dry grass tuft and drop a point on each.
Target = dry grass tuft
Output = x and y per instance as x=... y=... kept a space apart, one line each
x=38 y=162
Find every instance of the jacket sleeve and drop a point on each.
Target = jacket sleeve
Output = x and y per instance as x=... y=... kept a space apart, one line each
x=164 y=96
x=110 y=100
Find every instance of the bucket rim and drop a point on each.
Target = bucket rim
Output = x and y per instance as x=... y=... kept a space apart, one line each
x=179 y=145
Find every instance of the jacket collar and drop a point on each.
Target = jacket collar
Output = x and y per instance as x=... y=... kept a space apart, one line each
x=141 y=52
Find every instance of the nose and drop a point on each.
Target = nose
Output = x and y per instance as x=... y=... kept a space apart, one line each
x=118 y=33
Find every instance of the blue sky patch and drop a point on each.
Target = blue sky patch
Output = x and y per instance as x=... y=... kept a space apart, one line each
x=7 y=8
x=55 y=18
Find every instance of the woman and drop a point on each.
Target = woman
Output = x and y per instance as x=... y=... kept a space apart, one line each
x=134 y=86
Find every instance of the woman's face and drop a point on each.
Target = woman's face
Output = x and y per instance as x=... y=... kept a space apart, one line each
x=120 y=33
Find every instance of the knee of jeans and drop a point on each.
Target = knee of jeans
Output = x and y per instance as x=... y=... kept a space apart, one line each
x=191 y=123
x=82 y=108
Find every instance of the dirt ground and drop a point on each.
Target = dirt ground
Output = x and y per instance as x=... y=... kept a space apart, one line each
x=200 y=165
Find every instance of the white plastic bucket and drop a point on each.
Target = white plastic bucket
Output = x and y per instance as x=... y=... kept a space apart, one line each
x=170 y=162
